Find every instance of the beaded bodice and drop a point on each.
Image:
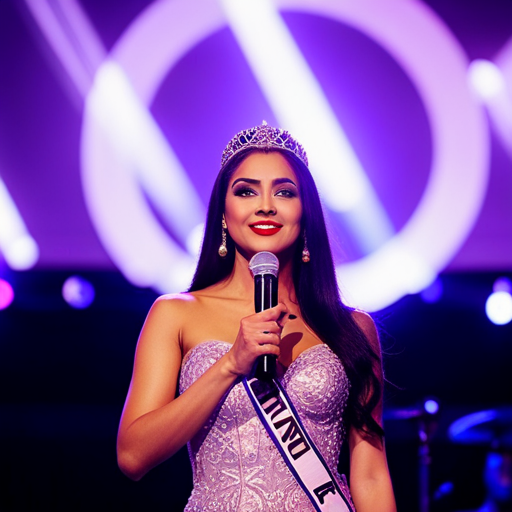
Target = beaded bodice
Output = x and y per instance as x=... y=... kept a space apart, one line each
x=236 y=466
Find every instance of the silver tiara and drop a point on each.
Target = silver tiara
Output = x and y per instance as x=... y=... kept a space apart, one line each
x=260 y=137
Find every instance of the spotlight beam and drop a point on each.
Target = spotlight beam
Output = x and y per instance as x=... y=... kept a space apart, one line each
x=20 y=250
x=142 y=148
x=300 y=105
x=72 y=39
x=130 y=129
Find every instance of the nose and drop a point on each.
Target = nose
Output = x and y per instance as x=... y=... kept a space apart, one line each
x=267 y=205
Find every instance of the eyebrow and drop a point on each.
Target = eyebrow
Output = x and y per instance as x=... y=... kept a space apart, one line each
x=277 y=181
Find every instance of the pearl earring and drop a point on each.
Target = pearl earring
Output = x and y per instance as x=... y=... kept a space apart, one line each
x=223 y=249
x=305 y=252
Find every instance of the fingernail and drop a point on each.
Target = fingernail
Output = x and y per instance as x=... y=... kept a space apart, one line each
x=292 y=317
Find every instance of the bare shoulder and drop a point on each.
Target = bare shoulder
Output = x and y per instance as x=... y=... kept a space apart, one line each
x=175 y=304
x=167 y=318
x=187 y=304
x=158 y=357
x=367 y=325
x=193 y=317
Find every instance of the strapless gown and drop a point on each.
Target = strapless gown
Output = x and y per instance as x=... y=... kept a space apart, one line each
x=236 y=466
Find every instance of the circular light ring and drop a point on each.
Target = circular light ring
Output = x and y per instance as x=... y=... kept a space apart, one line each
x=432 y=57
x=134 y=239
x=437 y=65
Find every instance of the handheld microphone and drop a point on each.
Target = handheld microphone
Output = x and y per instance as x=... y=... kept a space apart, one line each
x=264 y=267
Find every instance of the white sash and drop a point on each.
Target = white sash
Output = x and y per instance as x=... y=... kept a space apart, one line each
x=302 y=457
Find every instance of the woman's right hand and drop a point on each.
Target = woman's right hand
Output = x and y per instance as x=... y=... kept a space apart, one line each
x=259 y=334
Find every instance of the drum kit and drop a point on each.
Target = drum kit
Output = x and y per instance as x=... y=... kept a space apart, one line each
x=489 y=429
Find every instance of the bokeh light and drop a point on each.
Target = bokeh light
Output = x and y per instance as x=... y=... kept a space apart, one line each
x=498 y=307
x=78 y=292
x=431 y=406
x=499 y=304
x=6 y=294
x=502 y=284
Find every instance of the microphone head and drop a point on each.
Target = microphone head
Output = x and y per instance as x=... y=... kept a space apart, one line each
x=264 y=262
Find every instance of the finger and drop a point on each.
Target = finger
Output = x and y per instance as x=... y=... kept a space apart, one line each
x=285 y=318
x=270 y=327
x=268 y=337
x=269 y=348
x=273 y=313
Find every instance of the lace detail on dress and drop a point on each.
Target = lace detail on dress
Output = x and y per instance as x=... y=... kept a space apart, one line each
x=236 y=466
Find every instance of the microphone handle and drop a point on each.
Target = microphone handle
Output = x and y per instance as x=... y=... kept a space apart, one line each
x=265 y=297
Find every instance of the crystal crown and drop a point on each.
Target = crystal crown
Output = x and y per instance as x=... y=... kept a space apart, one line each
x=263 y=136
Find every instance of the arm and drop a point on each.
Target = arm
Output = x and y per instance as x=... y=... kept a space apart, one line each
x=370 y=482
x=154 y=425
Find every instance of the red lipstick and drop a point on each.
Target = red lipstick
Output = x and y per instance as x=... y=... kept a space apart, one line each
x=265 y=227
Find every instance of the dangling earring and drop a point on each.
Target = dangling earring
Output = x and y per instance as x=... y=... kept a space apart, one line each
x=305 y=252
x=223 y=249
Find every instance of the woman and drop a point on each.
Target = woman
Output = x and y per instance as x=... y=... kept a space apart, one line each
x=264 y=199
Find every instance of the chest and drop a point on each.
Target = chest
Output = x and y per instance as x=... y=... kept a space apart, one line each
x=315 y=381
x=218 y=321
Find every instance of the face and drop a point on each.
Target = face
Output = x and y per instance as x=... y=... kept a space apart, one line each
x=263 y=208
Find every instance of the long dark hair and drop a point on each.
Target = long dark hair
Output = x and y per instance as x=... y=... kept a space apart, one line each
x=315 y=286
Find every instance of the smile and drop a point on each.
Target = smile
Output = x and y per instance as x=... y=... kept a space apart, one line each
x=266 y=228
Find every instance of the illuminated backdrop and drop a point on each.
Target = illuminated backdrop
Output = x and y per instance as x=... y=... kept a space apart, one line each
x=113 y=120
x=67 y=338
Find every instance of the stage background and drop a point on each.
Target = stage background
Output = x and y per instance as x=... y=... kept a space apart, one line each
x=64 y=372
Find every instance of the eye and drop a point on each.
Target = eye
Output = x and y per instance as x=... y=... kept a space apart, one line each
x=286 y=192
x=244 y=191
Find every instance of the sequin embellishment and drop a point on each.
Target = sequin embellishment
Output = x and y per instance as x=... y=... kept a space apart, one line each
x=236 y=467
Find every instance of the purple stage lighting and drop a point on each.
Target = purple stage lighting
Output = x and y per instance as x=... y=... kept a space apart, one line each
x=404 y=264
x=78 y=292
x=6 y=294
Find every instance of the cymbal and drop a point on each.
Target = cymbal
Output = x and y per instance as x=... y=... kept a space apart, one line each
x=403 y=413
x=492 y=427
x=428 y=408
